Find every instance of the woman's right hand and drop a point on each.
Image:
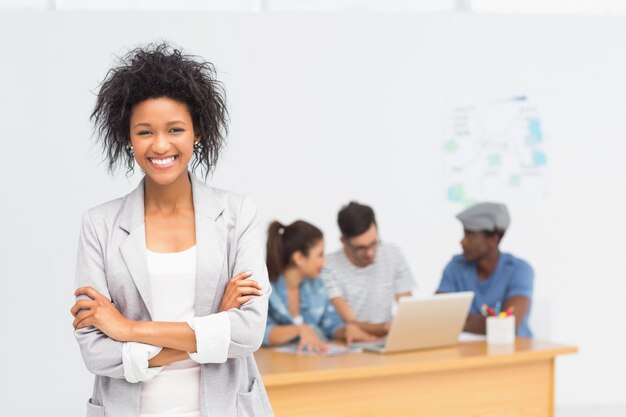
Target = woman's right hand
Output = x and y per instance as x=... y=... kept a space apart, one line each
x=239 y=290
x=310 y=342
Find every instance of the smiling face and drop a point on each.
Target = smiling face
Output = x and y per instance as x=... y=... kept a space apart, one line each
x=162 y=136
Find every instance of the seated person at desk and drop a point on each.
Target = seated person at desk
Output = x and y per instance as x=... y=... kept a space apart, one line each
x=299 y=309
x=493 y=276
x=365 y=276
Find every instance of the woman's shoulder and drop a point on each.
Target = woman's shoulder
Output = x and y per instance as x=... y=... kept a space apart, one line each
x=231 y=206
x=106 y=213
x=100 y=221
x=230 y=199
x=114 y=211
x=213 y=196
x=107 y=208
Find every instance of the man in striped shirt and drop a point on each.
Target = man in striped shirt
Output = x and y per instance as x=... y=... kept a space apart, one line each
x=366 y=276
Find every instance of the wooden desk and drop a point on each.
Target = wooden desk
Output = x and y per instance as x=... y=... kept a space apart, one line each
x=465 y=380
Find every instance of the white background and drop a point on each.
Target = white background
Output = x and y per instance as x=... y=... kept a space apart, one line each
x=325 y=108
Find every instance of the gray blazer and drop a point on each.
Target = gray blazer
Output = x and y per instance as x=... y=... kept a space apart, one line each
x=112 y=259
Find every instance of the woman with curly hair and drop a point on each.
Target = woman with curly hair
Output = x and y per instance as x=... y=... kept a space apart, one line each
x=167 y=314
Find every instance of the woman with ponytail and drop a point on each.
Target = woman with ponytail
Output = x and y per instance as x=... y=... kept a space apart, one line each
x=299 y=309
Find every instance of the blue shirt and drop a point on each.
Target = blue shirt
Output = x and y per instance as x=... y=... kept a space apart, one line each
x=512 y=277
x=315 y=309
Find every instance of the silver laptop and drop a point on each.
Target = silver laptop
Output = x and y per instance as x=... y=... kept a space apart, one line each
x=425 y=322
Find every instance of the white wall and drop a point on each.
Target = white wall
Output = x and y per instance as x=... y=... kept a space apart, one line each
x=325 y=108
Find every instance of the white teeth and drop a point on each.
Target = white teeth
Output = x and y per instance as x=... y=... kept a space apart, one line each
x=163 y=161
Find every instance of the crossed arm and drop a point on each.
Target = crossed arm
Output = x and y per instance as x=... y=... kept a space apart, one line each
x=177 y=339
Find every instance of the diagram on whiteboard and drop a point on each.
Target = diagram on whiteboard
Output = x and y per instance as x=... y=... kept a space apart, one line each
x=494 y=149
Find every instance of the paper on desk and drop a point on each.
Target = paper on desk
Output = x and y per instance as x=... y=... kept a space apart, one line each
x=471 y=337
x=333 y=350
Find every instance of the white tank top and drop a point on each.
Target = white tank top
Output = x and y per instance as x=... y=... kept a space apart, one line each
x=175 y=391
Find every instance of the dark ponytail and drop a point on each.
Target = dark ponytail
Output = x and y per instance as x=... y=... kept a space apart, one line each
x=274 y=257
x=283 y=241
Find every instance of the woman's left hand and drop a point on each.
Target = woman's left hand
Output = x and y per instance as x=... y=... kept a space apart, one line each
x=98 y=311
x=238 y=291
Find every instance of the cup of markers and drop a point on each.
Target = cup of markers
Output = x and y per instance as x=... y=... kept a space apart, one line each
x=500 y=325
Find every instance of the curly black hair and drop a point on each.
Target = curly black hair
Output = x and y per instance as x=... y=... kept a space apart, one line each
x=159 y=70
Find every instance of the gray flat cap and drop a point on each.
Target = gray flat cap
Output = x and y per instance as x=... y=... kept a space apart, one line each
x=485 y=217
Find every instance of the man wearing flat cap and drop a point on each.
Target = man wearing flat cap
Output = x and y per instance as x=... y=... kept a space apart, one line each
x=493 y=276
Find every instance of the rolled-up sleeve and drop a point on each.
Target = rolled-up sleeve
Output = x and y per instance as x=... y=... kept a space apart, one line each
x=101 y=354
x=212 y=338
x=135 y=357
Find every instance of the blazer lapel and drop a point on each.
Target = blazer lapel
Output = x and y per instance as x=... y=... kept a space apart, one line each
x=133 y=248
x=211 y=237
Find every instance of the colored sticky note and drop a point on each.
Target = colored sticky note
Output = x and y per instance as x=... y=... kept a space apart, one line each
x=456 y=192
x=539 y=158
x=534 y=130
x=515 y=180
x=451 y=146
x=494 y=160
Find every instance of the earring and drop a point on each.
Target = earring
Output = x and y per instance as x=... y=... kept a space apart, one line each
x=130 y=150
x=197 y=145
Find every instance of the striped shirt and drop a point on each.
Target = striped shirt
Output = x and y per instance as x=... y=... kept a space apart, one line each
x=369 y=291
